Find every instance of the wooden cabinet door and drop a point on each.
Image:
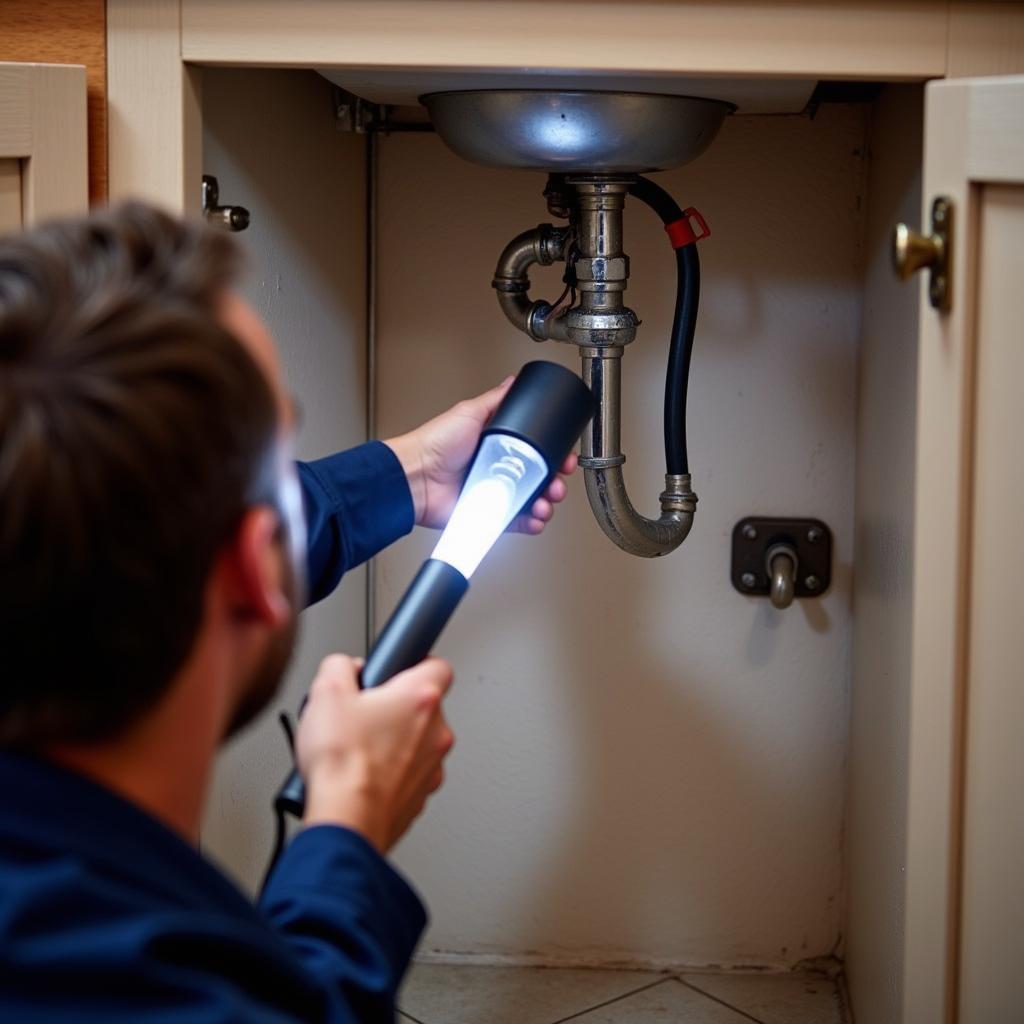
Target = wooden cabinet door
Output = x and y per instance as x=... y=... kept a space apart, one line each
x=965 y=890
x=43 y=159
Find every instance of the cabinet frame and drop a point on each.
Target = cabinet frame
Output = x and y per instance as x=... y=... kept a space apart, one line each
x=973 y=133
x=155 y=50
x=43 y=127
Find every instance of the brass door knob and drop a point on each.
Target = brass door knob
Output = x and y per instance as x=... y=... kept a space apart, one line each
x=911 y=252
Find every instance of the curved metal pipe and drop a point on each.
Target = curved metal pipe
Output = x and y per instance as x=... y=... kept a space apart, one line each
x=602 y=461
x=543 y=244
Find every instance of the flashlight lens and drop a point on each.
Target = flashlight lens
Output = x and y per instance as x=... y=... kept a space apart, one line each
x=504 y=476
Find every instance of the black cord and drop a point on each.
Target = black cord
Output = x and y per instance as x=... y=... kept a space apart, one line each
x=280 y=813
x=289 y=731
x=684 y=326
x=280 y=837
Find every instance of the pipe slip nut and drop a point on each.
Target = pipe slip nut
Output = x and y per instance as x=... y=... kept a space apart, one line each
x=678 y=496
x=598 y=462
x=597 y=328
x=602 y=268
x=511 y=285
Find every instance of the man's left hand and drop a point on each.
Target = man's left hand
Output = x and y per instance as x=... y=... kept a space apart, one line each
x=435 y=458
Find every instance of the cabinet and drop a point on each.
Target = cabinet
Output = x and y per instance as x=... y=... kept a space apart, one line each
x=66 y=32
x=927 y=639
x=43 y=169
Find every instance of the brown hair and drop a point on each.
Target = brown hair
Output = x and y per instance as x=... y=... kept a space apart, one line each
x=133 y=430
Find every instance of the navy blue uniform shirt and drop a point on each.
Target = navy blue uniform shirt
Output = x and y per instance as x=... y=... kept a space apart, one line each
x=106 y=915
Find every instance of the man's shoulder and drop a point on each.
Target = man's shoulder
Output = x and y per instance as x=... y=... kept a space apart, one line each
x=81 y=940
x=87 y=878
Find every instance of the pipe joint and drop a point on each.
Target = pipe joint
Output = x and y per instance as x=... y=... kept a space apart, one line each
x=678 y=496
x=602 y=268
x=592 y=328
x=627 y=528
x=608 y=462
x=542 y=245
x=542 y=326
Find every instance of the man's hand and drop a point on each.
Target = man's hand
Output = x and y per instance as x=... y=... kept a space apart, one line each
x=435 y=458
x=371 y=758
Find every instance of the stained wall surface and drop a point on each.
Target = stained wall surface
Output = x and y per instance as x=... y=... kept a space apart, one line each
x=650 y=766
x=880 y=707
x=269 y=137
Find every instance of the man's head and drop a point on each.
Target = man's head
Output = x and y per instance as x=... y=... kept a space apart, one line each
x=141 y=427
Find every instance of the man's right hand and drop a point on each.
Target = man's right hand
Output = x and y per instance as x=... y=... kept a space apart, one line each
x=370 y=758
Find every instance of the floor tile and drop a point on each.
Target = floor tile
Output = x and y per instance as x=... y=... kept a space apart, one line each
x=776 y=998
x=447 y=994
x=671 y=1002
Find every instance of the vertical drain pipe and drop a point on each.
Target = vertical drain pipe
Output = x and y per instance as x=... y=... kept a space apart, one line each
x=602 y=326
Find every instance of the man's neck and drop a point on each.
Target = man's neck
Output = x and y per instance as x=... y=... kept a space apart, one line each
x=163 y=762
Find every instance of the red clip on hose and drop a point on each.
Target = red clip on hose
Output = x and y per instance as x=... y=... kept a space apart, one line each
x=680 y=233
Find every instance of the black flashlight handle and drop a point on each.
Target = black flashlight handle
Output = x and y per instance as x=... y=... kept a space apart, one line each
x=406 y=640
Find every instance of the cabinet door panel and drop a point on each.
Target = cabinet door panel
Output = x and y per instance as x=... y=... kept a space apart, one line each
x=10 y=195
x=992 y=915
x=965 y=838
x=43 y=161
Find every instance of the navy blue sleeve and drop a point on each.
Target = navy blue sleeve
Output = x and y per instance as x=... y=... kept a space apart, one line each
x=357 y=503
x=348 y=916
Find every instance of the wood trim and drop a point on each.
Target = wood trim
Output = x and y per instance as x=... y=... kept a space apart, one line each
x=155 y=119
x=985 y=39
x=995 y=129
x=941 y=531
x=804 y=38
x=43 y=123
x=965 y=122
x=991 y=896
x=10 y=195
x=66 y=32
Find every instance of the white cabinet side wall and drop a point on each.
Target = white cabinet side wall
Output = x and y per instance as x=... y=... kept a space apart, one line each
x=880 y=704
x=270 y=138
x=649 y=766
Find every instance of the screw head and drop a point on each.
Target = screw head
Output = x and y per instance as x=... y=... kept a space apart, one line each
x=812 y=583
x=749 y=580
x=814 y=535
x=750 y=532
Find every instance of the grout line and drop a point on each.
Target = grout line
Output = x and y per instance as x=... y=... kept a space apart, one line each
x=617 y=999
x=722 y=1002
x=409 y=1016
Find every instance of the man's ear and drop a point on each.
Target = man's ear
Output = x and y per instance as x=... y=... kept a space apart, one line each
x=254 y=573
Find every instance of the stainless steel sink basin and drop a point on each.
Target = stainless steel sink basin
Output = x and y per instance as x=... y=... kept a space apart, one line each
x=542 y=130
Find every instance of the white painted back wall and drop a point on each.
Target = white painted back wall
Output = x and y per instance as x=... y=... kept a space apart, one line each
x=650 y=766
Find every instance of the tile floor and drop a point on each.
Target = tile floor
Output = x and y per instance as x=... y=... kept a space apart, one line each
x=447 y=994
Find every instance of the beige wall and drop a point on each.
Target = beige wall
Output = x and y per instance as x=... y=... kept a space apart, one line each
x=885 y=506
x=270 y=138
x=650 y=766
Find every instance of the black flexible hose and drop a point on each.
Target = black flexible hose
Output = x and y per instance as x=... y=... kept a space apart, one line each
x=684 y=324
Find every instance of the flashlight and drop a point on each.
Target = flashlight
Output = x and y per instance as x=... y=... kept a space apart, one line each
x=520 y=450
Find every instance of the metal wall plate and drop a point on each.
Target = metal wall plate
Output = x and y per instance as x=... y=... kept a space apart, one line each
x=754 y=536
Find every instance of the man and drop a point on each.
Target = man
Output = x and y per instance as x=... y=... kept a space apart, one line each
x=153 y=544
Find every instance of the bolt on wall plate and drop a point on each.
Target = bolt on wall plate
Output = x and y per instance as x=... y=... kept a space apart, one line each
x=754 y=537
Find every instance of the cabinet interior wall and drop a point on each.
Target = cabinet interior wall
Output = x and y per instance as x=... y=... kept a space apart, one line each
x=651 y=768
